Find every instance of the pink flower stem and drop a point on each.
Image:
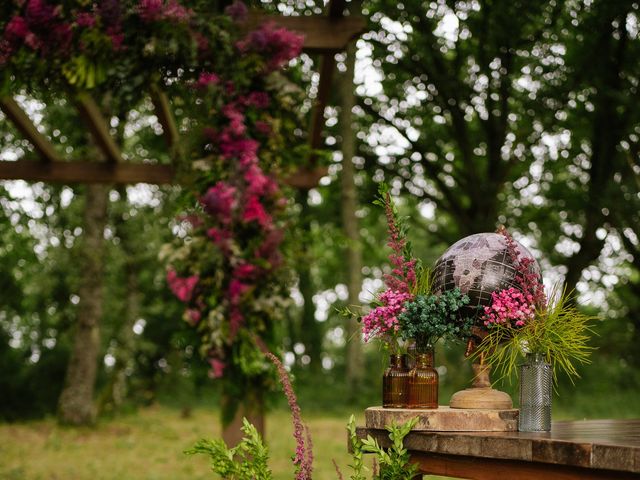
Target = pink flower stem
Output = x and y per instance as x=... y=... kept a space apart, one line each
x=303 y=459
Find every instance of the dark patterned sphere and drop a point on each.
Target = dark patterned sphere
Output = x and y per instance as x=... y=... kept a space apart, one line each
x=478 y=265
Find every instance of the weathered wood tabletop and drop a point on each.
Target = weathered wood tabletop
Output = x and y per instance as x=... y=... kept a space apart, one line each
x=588 y=449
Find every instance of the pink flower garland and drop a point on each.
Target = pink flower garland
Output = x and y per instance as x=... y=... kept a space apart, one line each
x=240 y=211
x=240 y=208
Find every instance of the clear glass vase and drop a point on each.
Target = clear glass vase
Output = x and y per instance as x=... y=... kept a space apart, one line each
x=423 y=382
x=395 y=382
x=536 y=384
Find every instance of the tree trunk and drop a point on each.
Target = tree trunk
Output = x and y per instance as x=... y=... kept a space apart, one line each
x=354 y=364
x=253 y=410
x=76 y=400
x=311 y=332
x=608 y=130
x=125 y=350
x=126 y=337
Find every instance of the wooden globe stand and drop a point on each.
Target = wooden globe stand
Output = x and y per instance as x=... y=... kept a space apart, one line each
x=480 y=395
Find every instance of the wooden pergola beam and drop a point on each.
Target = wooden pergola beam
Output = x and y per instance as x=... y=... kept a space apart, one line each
x=25 y=126
x=322 y=34
x=327 y=66
x=119 y=173
x=165 y=116
x=90 y=112
x=307 y=178
x=86 y=172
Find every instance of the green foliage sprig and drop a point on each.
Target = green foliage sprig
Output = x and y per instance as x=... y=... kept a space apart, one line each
x=424 y=281
x=247 y=460
x=559 y=333
x=357 y=451
x=394 y=462
x=428 y=318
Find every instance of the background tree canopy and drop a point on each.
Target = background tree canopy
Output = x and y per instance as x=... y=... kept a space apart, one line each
x=476 y=113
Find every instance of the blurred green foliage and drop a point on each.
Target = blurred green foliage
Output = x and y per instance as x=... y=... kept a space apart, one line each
x=524 y=114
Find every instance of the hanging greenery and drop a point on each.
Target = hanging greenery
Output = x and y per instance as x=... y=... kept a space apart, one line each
x=226 y=264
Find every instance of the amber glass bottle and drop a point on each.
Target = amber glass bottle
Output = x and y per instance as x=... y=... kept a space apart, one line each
x=395 y=383
x=423 y=382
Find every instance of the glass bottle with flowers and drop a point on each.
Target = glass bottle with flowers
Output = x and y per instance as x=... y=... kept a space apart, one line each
x=551 y=333
x=381 y=323
x=427 y=319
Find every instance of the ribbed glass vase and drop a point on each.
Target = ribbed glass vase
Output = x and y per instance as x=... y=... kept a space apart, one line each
x=395 y=382
x=423 y=382
x=536 y=383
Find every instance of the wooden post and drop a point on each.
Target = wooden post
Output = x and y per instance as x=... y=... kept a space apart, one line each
x=251 y=408
x=355 y=361
x=76 y=400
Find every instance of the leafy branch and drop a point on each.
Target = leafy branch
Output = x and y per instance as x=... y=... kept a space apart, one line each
x=559 y=333
x=246 y=460
x=395 y=462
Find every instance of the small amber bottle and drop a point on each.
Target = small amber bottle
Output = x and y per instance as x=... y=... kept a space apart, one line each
x=423 y=382
x=395 y=382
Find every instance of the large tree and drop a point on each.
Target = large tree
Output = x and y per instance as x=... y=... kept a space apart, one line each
x=589 y=93
x=520 y=113
x=455 y=101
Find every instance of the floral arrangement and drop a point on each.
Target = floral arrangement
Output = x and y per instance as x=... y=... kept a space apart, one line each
x=382 y=321
x=522 y=320
x=407 y=310
x=242 y=107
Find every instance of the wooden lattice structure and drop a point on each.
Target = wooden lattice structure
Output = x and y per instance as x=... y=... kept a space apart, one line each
x=325 y=35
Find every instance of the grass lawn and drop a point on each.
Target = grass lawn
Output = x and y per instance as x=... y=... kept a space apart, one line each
x=148 y=445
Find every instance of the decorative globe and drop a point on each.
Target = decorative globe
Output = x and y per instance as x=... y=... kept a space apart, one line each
x=478 y=265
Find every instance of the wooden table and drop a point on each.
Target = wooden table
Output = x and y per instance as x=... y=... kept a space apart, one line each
x=589 y=449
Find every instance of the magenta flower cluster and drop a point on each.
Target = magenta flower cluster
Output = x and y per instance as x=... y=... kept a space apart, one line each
x=238 y=11
x=509 y=307
x=47 y=29
x=182 y=287
x=526 y=276
x=383 y=319
x=279 y=45
x=515 y=307
x=40 y=28
x=154 y=10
